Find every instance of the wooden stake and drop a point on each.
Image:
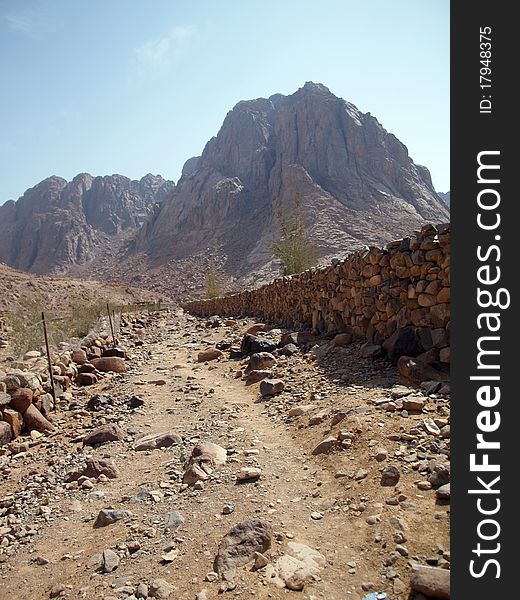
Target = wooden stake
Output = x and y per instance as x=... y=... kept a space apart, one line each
x=49 y=361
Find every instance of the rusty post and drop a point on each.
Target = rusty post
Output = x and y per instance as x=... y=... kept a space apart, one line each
x=49 y=361
x=111 y=326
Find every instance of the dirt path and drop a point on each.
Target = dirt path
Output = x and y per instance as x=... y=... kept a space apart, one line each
x=320 y=501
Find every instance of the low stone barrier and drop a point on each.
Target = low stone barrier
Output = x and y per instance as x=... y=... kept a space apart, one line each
x=372 y=292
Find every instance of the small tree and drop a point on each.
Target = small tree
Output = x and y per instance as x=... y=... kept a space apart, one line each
x=213 y=287
x=295 y=251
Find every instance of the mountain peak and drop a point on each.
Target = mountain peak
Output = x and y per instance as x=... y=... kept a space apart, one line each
x=310 y=86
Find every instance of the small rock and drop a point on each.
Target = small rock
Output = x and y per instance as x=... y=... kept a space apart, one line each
x=271 y=387
x=443 y=492
x=152 y=441
x=390 y=476
x=110 y=561
x=260 y=561
x=208 y=355
x=327 y=445
x=249 y=473
x=107 y=516
x=106 y=433
x=57 y=590
x=173 y=520
x=228 y=508
x=160 y=589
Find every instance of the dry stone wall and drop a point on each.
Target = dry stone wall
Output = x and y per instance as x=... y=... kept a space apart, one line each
x=372 y=292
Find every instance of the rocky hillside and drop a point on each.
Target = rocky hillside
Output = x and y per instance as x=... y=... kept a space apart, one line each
x=58 y=224
x=357 y=182
x=446 y=198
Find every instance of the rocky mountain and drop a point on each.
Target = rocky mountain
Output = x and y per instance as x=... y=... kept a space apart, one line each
x=446 y=198
x=59 y=224
x=357 y=183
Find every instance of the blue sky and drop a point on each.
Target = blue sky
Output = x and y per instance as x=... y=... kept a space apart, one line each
x=132 y=87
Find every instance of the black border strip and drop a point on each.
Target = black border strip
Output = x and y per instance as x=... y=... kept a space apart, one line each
x=474 y=132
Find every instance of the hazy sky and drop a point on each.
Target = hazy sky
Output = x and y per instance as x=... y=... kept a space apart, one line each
x=132 y=87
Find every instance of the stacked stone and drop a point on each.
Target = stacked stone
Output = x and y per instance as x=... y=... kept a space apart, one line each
x=372 y=292
x=26 y=404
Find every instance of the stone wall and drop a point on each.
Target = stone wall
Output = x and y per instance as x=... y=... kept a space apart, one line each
x=372 y=292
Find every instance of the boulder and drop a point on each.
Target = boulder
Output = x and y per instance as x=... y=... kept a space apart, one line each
x=371 y=351
x=260 y=361
x=22 y=399
x=344 y=339
x=33 y=419
x=108 y=516
x=160 y=589
x=115 y=351
x=5 y=433
x=84 y=379
x=403 y=342
x=299 y=566
x=109 y=363
x=106 y=433
x=239 y=546
x=163 y=439
x=271 y=387
x=94 y=468
x=327 y=445
x=257 y=328
x=79 y=356
x=432 y=582
x=15 y=420
x=207 y=355
x=204 y=458
x=416 y=371
x=256 y=376
x=390 y=476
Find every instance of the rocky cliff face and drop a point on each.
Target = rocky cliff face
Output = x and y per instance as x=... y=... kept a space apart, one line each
x=58 y=224
x=446 y=198
x=357 y=182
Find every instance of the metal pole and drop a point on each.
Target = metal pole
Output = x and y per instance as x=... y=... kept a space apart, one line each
x=111 y=326
x=114 y=321
x=49 y=361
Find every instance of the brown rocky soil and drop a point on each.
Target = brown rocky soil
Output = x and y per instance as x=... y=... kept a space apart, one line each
x=367 y=535
x=19 y=288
